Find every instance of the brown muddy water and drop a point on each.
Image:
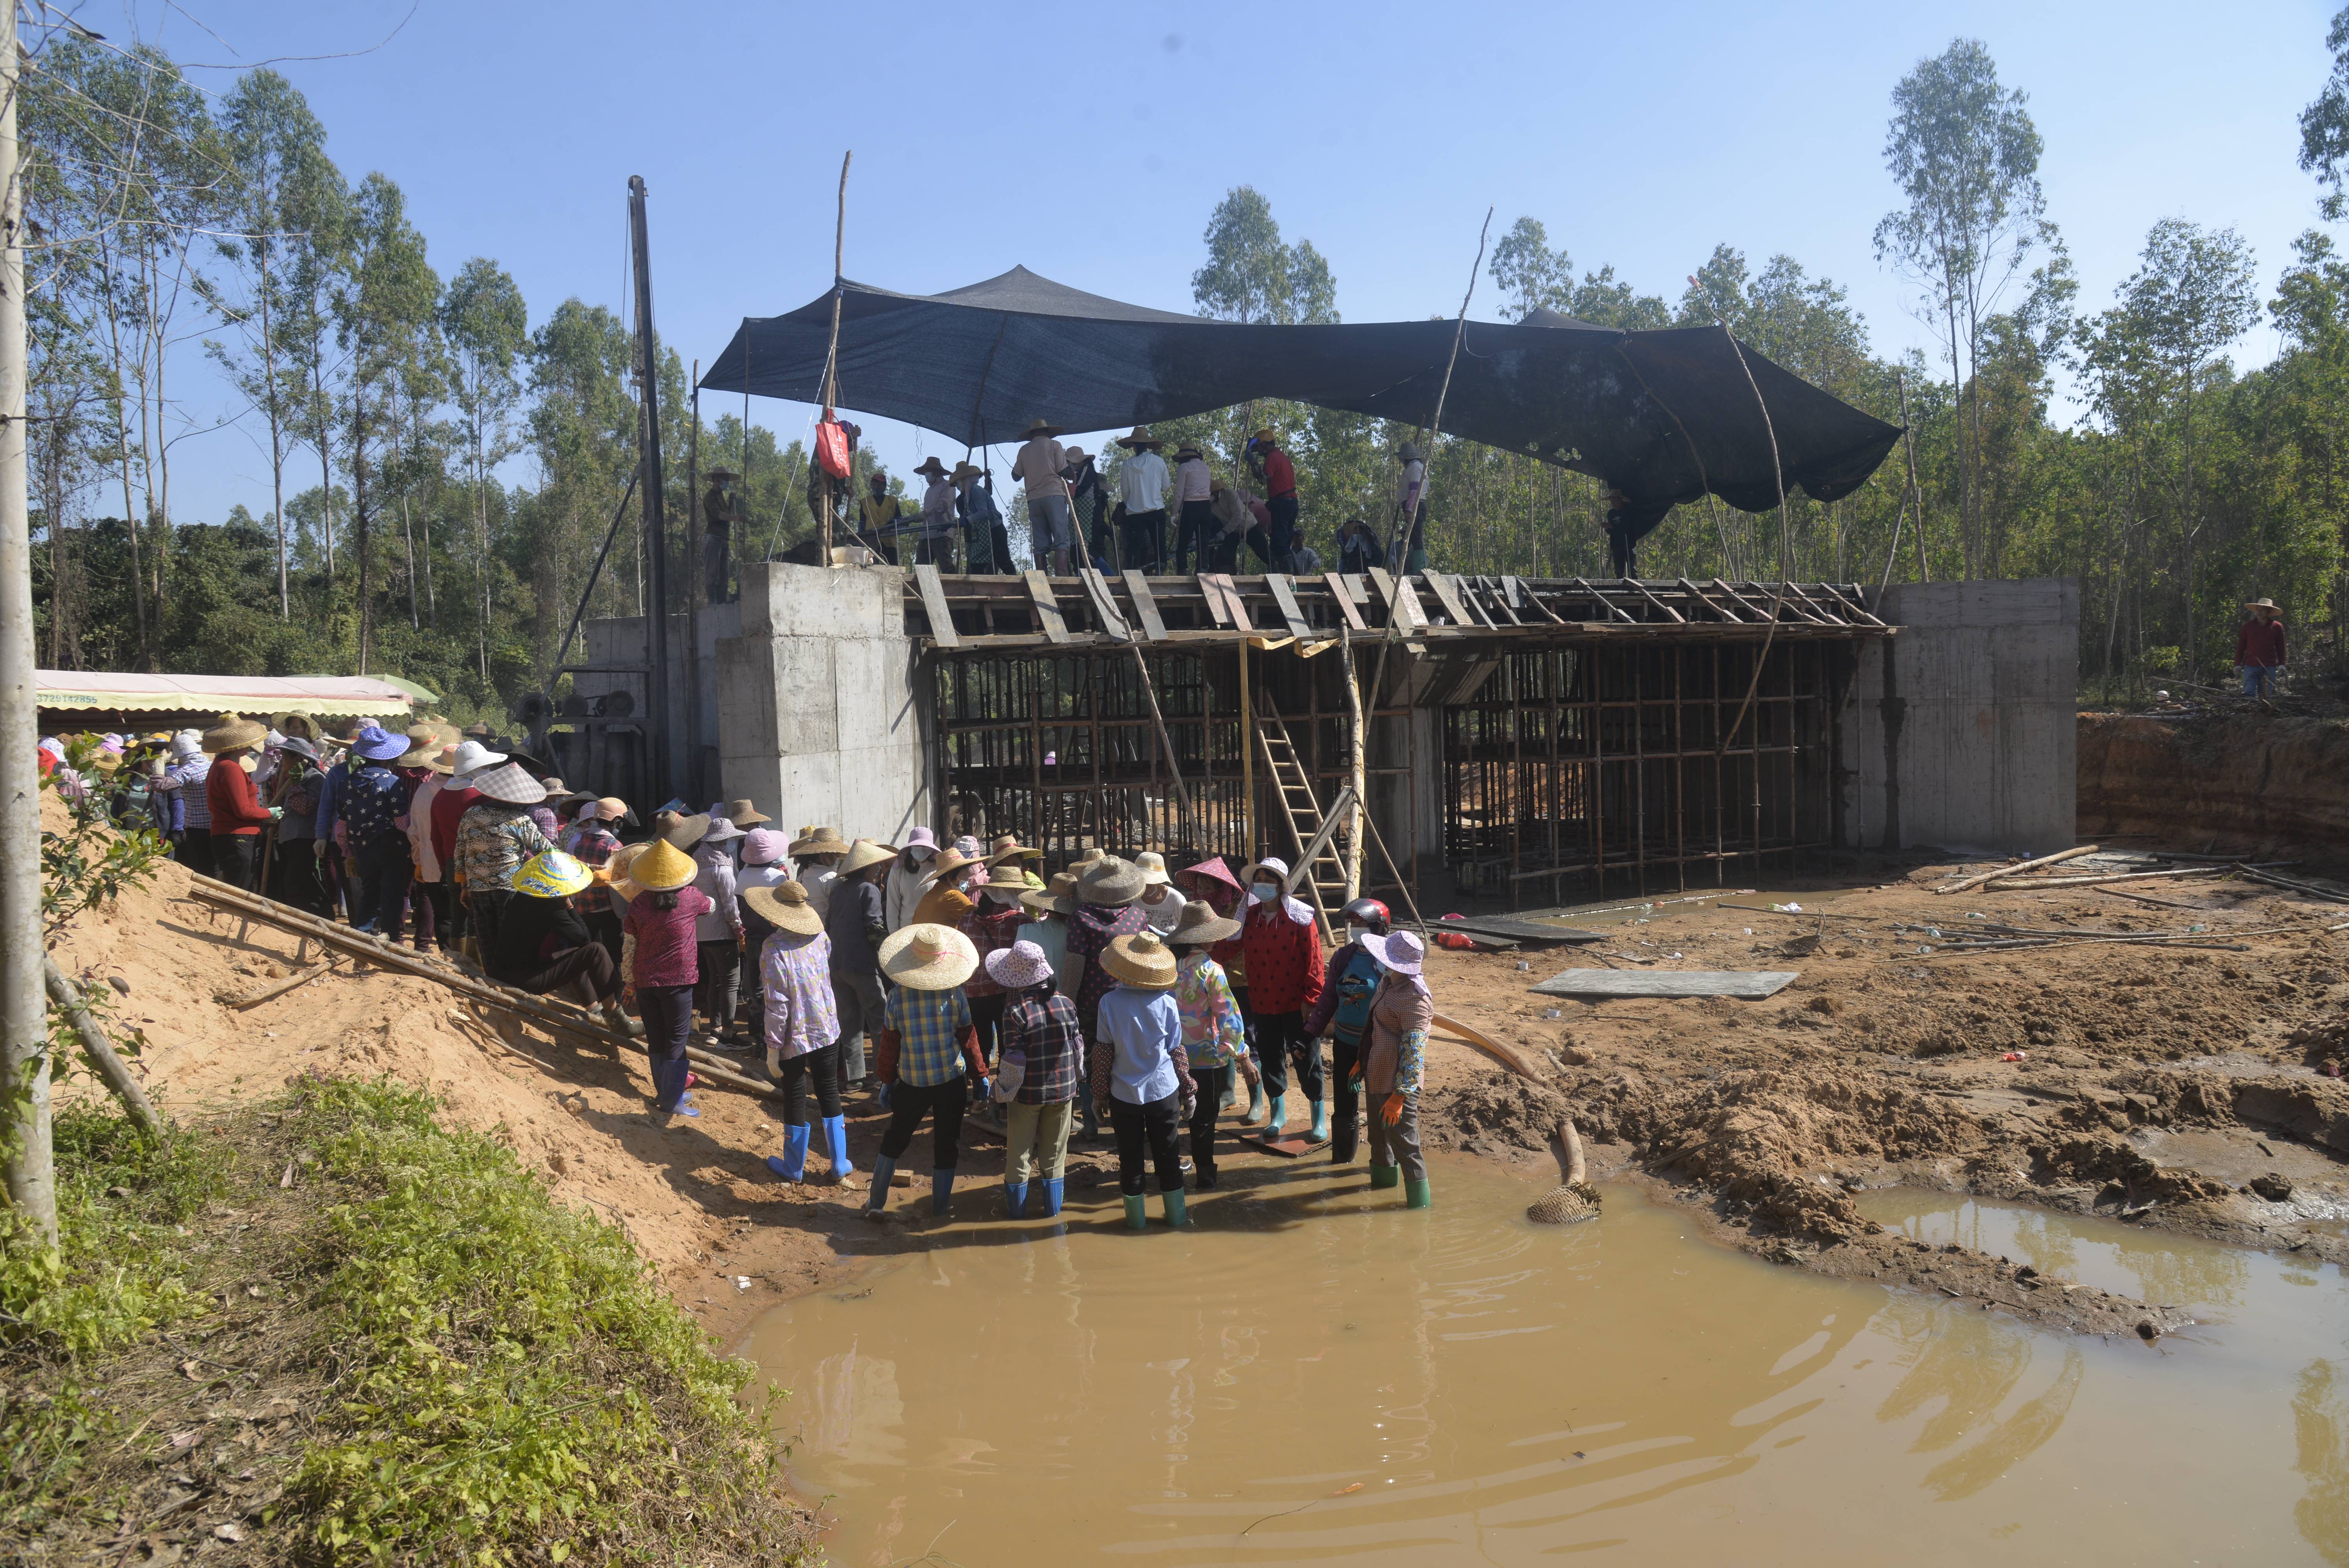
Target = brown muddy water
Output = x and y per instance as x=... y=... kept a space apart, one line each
x=1313 y=1374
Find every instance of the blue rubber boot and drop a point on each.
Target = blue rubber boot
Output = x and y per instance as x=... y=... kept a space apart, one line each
x=835 y=1143
x=792 y=1163
x=1137 y=1215
x=1178 y=1210
x=1276 y=1115
x=1321 y=1119
x=1053 y=1196
x=673 y=1101
x=1256 y=1105
x=884 y=1168
x=1015 y=1199
x=942 y=1192
x=880 y=1095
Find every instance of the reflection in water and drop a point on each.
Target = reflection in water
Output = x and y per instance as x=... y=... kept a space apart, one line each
x=2147 y=1265
x=1310 y=1375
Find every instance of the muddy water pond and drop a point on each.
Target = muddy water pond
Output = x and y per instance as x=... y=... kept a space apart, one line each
x=1313 y=1374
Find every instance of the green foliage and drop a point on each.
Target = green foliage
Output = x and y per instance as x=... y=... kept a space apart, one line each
x=511 y=1379
x=92 y=860
x=2325 y=124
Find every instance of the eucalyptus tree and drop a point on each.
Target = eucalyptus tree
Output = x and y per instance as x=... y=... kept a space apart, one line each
x=487 y=328
x=1530 y=274
x=2325 y=124
x=583 y=428
x=276 y=148
x=1965 y=154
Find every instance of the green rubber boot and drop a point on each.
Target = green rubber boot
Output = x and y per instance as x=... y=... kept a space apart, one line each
x=1415 y=1194
x=1136 y=1218
x=1177 y=1212
x=1385 y=1175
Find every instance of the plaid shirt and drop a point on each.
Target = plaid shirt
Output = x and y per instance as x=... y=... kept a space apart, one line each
x=930 y=1028
x=591 y=844
x=991 y=927
x=1042 y=1025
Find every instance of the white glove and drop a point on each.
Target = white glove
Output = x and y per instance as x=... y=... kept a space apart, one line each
x=1009 y=1073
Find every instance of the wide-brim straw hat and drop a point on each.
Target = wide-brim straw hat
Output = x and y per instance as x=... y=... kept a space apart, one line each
x=784 y=906
x=947 y=862
x=965 y=471
x=420 y=753
x=1152 y=866
x=684 y=832
x=1189 y=449
x=472 y=756
x=818 y=842
x=2259 y=603
x=931 y=466
x=723 y=832
x=551 y=873
x=1199 y=925
x=1140 y=438
x=615 y=870
x=234 y=733
x=864 y=854
x=1213 y=869
x=1109 y=883
x=612 y=809
x=1007 y=846
x=743 y=814
x=556 y=787
x=662 y=867
x=1401 y=951
x=1041 y=428
x=444 y=760
x=722 y=473
x=1074 y=455
x=511 y=785
x=1018 y=966
x=1142 y=959
x=929 y=957
x=1059 y=899
x=1085 y=857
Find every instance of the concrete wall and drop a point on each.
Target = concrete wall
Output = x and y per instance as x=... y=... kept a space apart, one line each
x=1961 y=733
x=818 y=712
x=621 y=640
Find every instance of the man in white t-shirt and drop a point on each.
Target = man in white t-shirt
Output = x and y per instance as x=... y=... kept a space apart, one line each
x=1142 y=492
x=1051 y=530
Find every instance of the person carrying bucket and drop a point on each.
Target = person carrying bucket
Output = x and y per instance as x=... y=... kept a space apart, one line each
x=1344 y=1013
x=927 y=1043
x=1394 y=1048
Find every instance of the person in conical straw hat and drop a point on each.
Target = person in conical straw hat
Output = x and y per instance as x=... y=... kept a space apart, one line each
x=1007 y=847
x=1215 y=1035
x=927 y=1043
x=663 y=964
x=1141 y=1072
x=801 y=1024
x=855 y=920
x=2259 y=648
x=1162 y=906
x=1141 y=482
x=817 y=853
x=543 y=946
x=1395 y=1051
x=237 y=813
x=1036 y=1076
x=1109 y=891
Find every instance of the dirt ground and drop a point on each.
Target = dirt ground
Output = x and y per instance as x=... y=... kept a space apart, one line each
x=2170 y=1087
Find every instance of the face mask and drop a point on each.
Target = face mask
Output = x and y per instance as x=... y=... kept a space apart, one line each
x=1264 y=892
x=1358 y=933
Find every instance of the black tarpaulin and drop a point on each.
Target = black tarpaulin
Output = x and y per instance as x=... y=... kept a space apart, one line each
x=1662 y=416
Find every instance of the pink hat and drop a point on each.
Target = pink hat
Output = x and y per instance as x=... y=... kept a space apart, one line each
x=762 y=847
x=1018 y=966
x=1214 y=869
x=921 y=839
x=1400 y=951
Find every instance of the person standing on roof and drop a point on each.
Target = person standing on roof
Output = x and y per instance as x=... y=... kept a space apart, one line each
x=1194 y=490
x=985 y=549
x=1623 y=540
x=878 y=515
x=938 y=521
x=1051 y=527
x=1411 y=498
x=1091 y=498
x=1280 y=494
x=1142 y=490
x=2259 y=648
x=720 y=510
x=1358 y=547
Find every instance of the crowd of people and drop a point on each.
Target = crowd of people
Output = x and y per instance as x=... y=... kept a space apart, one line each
x=1076 y=515
x=1118 y=998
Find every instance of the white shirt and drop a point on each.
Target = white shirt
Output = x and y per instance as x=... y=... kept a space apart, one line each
x=1414 y=474
x=1141 y=483
x=1167 y=913
x=818 y=880
x=1193 y=483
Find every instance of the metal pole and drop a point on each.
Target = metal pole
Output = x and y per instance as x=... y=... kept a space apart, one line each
x=656 y=716
x=24 y=1000
x=697 y=550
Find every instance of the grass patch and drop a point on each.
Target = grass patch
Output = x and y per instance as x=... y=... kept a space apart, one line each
x=331 y=1330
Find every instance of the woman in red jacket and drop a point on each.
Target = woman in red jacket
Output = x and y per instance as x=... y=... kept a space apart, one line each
x=1284 y=979
x=238 y=815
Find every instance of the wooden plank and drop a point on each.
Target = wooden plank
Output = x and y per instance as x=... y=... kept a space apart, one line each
x=1217 y=608
x=1146 y=607
x=1221 y=582
x=1401 y=603
x=1449 y=597
x=1612 y=608
x=1533 y=596
x=1659 y=603
x=1104 y=606
x=1860 y=614
x=1495 y=595
x=1284 y=596
x=1749 y=985
x=1047 y=609
x=1828 y=614
x=933 y=605
x=1345 y=601
x=1414 y=613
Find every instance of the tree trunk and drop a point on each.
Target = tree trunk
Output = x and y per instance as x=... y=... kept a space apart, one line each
x=360 y=520
x=276 y=430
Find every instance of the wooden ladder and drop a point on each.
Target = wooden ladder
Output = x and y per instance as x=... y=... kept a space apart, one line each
x=1325 y=875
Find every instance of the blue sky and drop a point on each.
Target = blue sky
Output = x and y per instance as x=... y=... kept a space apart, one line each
x=1090 y=142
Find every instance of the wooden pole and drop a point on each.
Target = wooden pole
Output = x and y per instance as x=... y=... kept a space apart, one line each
x=1357 y=763
x=697 y=550
x=832 y=354
x=1979 y=878
x=1248 y=763
x=100 y=1049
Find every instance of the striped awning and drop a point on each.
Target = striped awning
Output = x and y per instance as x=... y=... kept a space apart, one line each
x=109 y=691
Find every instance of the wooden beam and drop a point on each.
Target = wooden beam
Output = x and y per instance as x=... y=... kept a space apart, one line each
x=1345 y=601
x=1047 y=609
x=1651 y=599
x=1612 y=607
x=1146 y=607
x=1286 y=598
x=1221 y=582
x=1449 y=598
x=1533 y=596
x=1401 y=605
x=1219 y=612
x=1104 y=606
x=933 y=605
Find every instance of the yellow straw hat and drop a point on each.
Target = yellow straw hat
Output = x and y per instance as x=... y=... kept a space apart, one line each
x=1143 y=960
x=664 y=868
x=784 y=906
x=929 y=957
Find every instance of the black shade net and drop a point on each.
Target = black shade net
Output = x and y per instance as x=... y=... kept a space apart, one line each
x=1662 y=416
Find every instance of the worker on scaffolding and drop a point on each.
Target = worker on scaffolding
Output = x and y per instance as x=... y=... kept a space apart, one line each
x=1091 y=498
x=1142 y=480
x=986 y=547
x=1051 y=526
x=1278 y=475
x=936 y=546
x=720 y=510
x=1623 y=540
x=878 y=514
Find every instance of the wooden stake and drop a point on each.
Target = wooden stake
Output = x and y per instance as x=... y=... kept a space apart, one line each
x=100 y=1049
x=2009 y=871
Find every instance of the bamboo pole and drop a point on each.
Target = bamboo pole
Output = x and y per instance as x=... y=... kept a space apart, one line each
x=100 y=1049
x=1356 y=763
x=1977 y=880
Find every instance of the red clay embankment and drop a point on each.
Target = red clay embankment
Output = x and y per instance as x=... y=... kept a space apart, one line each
x=2247 y=784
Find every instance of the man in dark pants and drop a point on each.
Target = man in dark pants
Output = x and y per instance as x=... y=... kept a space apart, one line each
x=1279 y=495
x=1622 y=543
x=1344 y=1013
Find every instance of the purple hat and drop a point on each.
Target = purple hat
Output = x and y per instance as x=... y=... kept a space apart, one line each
x=1400 y=951
x=921 y=839
x=377 y=745
x=762 y=847
x=1018 y=966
